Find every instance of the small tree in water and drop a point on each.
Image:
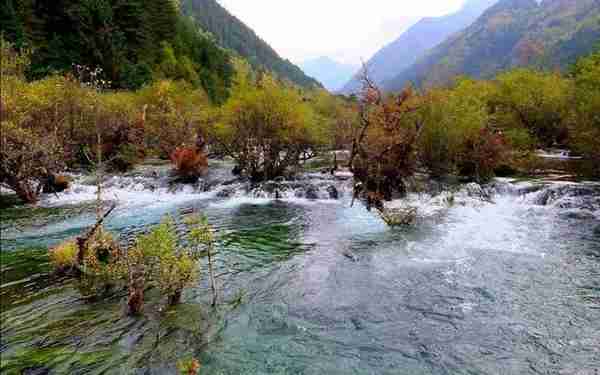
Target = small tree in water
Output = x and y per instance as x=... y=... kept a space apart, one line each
x=158 y=261
x=384 y=148
x=444 y=131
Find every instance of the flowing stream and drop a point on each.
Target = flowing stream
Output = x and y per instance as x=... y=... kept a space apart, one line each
x=503 y=279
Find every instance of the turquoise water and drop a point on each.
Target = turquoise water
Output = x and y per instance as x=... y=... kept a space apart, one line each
x=320 y=287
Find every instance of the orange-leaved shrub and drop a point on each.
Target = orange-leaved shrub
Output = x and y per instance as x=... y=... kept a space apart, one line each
x=190 y=163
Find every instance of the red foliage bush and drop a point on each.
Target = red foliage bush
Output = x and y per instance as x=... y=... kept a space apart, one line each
x=190 y=163
x=482 y=155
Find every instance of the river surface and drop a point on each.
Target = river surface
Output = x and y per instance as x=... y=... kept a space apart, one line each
x=505 y=282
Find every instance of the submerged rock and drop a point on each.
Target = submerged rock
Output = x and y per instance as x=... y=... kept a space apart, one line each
x=552 y=194
x=577 y=215
x=36 y=371
x=357 y=324
x=227 y=192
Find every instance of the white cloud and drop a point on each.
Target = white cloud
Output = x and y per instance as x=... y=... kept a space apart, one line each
x=346 y=30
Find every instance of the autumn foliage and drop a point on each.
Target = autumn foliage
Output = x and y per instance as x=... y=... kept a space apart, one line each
x=267 y=127
x=482 y=155
x=189 y=162
x=384 y=152
x=441 y=131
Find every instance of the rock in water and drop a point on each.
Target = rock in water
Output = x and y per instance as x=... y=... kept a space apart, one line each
x=333 y=192
x=399 y=216
x=312 y=193
x=351 y=256
x=476 y=191
x=226 y=193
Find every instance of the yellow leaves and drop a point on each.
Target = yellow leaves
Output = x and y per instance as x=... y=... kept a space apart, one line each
x=102 y=256
x=201 y=233
x=271 y=109
x=64 y=256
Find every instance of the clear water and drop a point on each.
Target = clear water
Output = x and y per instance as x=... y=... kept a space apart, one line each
x=320 y=287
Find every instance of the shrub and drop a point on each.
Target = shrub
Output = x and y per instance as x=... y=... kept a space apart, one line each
x=118 y=119
x=100 y=262
x=536 y=101
x=585 y=124
x=64 y=256
x=170 y=268
x=27 y=160
x=189 y=367
x=481 y=155
x=435 y=143
x=519 y=139
x=190 y=163
x=337 y=117
x=157 y=260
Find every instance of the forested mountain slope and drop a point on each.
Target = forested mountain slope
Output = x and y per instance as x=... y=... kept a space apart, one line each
x=550 y=34
x=233 y=34
x=132 y=41
x=414 y=42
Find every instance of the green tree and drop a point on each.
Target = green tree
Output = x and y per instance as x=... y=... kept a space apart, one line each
x=536 y=101
x=267 y=128
x=11 y=24
x=585 y=124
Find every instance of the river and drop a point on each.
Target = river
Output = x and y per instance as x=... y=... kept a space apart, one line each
x=508 y=283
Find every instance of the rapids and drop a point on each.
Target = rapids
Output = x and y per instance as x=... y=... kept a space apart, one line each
x=499 y=279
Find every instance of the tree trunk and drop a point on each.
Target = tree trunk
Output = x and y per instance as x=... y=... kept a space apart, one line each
x=175 y=298
x=213 y=284
x=135 y=301
x=26 y=193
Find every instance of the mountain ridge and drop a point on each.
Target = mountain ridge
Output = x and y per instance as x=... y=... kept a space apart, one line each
x=233 y=34
x=416 y=41
x=513 y=33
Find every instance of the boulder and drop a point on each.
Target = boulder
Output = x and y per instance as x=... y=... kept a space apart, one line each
x=333 y=192
x=312 y=193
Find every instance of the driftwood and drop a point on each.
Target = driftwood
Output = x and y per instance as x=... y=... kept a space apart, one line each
x=82 y=242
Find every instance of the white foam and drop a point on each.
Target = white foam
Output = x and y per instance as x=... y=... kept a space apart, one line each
x=126 y=193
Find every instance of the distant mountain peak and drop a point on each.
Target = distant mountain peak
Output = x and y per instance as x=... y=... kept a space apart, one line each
x=331 y=73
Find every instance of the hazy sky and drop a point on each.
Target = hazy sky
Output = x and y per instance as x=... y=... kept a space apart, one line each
x=346 y=30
